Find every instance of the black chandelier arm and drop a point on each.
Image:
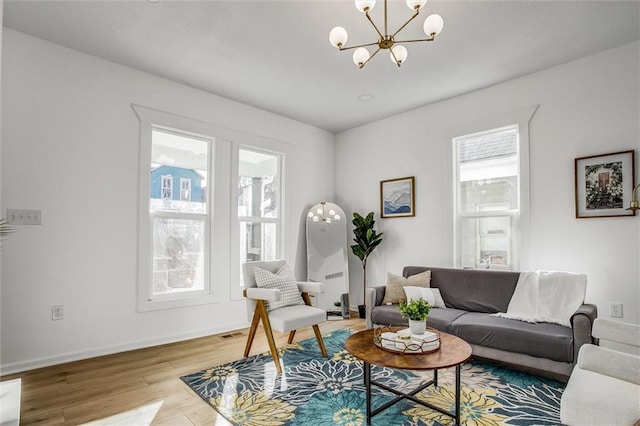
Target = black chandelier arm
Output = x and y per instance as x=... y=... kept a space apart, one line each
x=370 y=57
x=406 y=23
x=360 y=45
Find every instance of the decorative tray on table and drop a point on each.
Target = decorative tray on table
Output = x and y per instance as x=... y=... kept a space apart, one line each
x=399 y=339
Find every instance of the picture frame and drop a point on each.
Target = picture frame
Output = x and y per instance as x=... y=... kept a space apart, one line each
x=398 y=197
x=604 y=185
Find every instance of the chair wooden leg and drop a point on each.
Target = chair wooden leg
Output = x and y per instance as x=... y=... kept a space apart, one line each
x=316 y=330
x=262 y=309
x=252 y=332
x=292 y=333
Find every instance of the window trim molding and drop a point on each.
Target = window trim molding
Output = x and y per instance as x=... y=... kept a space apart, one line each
x=150 y=119
x=521 y=118
x=283 y=151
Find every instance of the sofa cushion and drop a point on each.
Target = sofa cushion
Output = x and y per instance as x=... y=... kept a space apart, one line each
x=469 y=289
x=387 y=315
x=543 y=340
x=440 y=319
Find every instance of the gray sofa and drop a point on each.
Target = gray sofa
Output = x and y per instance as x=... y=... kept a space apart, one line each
x=471 y=296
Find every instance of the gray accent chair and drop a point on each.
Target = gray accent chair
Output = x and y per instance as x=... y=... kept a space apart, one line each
x=285 y=319
x=471 y=296
x=604 y=388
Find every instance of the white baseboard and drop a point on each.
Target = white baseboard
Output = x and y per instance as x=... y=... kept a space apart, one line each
x=21 y=366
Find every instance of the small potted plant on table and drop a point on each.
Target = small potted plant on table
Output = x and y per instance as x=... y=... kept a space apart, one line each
x=416 y=310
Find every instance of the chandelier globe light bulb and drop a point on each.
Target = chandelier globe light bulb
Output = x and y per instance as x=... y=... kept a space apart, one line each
x=416 y=4
x=433 y=25
x=310 y=214
x=338 y=37
x=360 y=56
x=365 y=5
x=400 y=53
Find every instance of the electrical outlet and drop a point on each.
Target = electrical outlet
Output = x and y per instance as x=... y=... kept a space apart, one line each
x=24 y=217
x=615 y=309
x=57 y=312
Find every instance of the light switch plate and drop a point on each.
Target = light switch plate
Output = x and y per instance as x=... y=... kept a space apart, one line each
x=24 y=217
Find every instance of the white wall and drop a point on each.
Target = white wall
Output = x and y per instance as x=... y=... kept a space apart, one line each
x=70 y=148
x=586 y=107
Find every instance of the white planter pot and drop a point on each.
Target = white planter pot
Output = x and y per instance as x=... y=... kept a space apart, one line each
x=417 y=327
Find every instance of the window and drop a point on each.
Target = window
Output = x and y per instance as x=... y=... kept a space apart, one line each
x=210 y=198
x=179 y=225
x=487 y=201
x=185 y=189
x=167 y=187
x=259 y=205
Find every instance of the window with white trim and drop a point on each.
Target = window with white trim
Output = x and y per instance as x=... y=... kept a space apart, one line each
x=487 y=199
x=167 y=187
x=179 y=227
x=259 y=205
x=185 y=189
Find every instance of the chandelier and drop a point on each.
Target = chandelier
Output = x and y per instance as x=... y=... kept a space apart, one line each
x=321 y=214
x=398 y=53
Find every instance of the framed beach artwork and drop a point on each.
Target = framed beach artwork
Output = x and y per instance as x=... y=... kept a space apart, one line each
x=397 y=197
x=604 y=184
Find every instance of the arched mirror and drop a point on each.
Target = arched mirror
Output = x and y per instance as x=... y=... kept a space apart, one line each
x=327 y=257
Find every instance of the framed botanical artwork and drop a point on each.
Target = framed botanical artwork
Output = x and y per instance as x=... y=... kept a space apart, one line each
x=604 y=185
x=397 y=197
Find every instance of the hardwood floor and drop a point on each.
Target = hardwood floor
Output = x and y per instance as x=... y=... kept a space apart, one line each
x=102 y=387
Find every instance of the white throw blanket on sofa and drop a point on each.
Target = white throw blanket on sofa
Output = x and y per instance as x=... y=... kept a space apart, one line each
x=546 y=296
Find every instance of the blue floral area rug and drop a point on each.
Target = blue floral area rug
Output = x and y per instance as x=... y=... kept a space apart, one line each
x=317 y=391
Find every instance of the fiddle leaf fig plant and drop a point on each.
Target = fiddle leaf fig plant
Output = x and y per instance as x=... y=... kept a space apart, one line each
x=366 y=240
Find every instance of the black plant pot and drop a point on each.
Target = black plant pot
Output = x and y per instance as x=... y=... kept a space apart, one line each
x=362 y=311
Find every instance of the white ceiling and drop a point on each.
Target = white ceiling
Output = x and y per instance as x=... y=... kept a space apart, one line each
x=275 y=55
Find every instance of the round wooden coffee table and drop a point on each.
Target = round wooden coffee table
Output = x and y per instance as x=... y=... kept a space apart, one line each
x=453 y=352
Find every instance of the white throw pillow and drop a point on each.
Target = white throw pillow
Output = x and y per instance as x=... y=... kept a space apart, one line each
x=431 y=295
x=283 y=280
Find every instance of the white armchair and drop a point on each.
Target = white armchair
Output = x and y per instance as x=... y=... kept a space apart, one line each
x=604 y=387
x=282 y=319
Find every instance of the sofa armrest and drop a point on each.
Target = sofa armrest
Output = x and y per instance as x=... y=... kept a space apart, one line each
x=373 y=297
x=622 y=366
x=581 y=325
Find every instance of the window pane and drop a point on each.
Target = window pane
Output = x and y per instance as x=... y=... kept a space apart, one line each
x=489 y=194
x=486 y=242
x=258 y=241
x=487 y=171
x=258 y=184
x=178 y=172
x=178 y=255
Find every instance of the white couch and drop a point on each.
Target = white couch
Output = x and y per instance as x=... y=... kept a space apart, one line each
x=604 y=387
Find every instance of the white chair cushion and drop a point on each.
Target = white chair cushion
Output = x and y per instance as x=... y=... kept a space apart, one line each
x=295 y=317
x=283 y=280
x=595 y=399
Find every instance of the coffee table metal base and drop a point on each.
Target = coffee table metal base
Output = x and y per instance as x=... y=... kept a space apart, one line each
x=368 y=382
